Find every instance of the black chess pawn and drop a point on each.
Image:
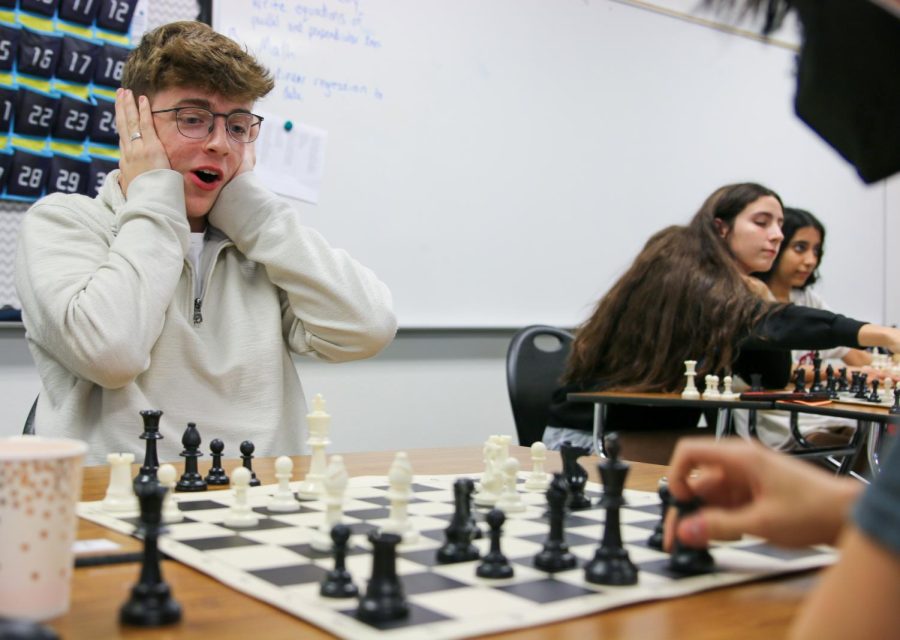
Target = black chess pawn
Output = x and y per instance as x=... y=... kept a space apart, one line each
x=216 y=475
x=555 y=556
x=817 y=373
x=151 y=434
x=495 y=565
x=151 y=603
x=384 y=600
x=611 y=564
x=655 y=541
x=576 y=476
x=800 y=380
x=689 y=560
x=874 y=397
x=458 y=545
x=247 y=449
x=895 y=408
x=338 y=583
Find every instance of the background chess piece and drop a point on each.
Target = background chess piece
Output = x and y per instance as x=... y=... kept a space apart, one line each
x=216 y=476
x=247 y=448
x=576 y=476
x=151 y=434
x=690 y=388
x=191 y=480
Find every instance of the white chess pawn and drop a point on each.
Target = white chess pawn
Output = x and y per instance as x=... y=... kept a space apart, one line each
x=170 y=511
x=400 y=491
x=538 y=479
x=335 y=484
x=690 y=388
x=510 y=501
x=240 y=514
x=283 y=499
x=712 y=388
x=120 y=493
x=319 y=425
x=728 y=393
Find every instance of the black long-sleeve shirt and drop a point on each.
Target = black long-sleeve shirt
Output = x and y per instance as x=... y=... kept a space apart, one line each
x=766 y=351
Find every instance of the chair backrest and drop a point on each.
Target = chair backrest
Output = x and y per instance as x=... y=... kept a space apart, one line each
x=534 y=364
x=28 y=429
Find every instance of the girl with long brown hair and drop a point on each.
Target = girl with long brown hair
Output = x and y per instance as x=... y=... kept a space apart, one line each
x=689 y=295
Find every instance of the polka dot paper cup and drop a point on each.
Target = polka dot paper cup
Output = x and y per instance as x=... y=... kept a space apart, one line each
x=40 y=485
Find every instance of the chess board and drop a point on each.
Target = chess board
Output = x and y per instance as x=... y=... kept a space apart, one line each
x=887 y=399
x=274 y=561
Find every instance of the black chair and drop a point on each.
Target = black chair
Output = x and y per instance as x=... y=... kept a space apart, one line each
x=28 y=429
x=534 y=364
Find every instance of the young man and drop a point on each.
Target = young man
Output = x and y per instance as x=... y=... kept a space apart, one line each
x=185 y=285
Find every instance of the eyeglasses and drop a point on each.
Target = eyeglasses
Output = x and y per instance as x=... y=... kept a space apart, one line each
x=197 y=122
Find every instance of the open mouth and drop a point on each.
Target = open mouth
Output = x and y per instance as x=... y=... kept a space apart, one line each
x=207 y=175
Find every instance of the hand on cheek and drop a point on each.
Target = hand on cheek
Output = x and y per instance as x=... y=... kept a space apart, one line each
x=140 y=150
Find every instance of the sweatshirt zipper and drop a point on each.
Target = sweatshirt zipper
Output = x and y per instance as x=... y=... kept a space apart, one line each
x=198 y=302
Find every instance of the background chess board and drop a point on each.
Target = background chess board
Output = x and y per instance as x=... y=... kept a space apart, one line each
x=887 y=399
x=274 y=562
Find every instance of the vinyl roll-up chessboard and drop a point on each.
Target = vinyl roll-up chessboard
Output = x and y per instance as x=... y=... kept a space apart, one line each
x=274 y=562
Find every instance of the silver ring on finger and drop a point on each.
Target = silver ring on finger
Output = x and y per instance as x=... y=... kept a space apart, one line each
x=136 y=136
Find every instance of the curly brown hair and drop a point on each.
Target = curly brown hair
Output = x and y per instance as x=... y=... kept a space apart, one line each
x=191 y=54
x=683 y=298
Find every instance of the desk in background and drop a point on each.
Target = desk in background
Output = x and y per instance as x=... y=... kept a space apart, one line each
x=870 y=420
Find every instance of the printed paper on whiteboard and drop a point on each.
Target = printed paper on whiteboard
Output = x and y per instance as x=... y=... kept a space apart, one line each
x=291 y=161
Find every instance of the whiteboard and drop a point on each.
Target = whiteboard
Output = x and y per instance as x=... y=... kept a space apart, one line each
x=500 y=162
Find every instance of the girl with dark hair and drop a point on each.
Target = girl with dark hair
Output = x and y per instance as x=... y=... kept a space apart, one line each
x=795 y=269
x=690 y=295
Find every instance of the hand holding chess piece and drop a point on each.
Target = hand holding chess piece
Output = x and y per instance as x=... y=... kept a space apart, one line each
x=747 y=488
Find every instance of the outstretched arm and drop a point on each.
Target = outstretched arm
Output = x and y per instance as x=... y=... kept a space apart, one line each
x=747 y=488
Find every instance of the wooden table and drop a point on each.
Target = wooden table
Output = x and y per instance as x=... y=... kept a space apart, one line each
x=722 y=407
x=211 y=610
x=872 y=420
